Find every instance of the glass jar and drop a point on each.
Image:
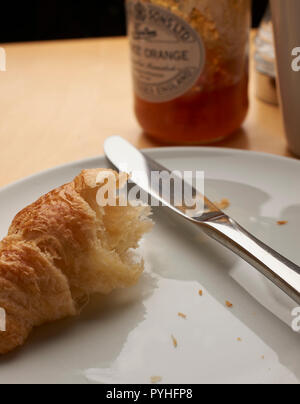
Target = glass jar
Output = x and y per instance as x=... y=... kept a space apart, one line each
x=190 y=67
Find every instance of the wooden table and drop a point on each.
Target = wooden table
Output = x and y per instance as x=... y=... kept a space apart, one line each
x=60 y=100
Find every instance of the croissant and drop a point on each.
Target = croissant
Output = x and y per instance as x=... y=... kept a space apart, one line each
x=63 y=248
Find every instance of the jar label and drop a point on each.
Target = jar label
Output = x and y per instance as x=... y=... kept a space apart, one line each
x=168 y=55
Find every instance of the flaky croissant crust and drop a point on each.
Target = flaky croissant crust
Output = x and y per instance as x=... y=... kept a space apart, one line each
x=62 y=248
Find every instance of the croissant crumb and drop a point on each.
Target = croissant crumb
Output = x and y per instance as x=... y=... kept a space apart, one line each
x=60 y=250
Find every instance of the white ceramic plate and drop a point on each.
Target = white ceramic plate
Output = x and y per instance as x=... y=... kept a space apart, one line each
x=126 y=338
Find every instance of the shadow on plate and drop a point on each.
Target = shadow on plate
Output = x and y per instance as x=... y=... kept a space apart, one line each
x=105 y=318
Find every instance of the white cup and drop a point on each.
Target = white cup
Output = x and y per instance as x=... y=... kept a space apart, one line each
x=286 y=16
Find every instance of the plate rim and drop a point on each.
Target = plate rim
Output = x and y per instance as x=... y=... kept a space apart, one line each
x=156 y=150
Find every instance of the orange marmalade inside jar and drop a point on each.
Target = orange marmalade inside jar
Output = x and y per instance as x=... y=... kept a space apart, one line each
x=190 y=68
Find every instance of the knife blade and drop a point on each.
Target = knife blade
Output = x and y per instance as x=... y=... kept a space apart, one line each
x=211 y=220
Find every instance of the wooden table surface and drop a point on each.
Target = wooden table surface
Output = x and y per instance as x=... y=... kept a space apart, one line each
x=60 y=100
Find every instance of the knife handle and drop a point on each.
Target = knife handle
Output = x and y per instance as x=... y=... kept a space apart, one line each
x=282 y=272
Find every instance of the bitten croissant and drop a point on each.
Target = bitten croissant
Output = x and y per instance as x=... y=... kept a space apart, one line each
x=63 y=248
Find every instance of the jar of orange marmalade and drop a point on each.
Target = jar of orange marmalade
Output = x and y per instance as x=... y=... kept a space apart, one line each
x=190 y=67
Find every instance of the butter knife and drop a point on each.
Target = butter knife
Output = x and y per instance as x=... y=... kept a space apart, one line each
x=212 y=221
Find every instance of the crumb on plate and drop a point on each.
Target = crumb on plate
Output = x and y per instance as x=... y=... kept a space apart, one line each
x=201 y=293
x=182 y=315
x=224 y=204
x=156 y=379
x=282 y=222
x=228 y=304
x=239 y=339
x=175 y=342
